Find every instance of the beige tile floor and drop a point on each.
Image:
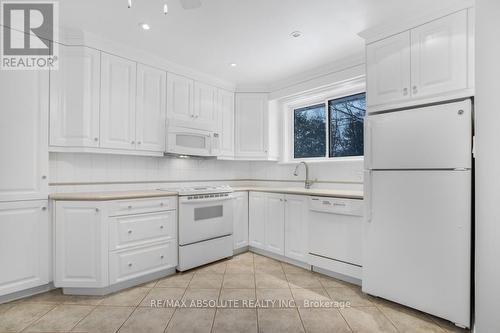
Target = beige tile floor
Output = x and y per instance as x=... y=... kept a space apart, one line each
x=243 y=287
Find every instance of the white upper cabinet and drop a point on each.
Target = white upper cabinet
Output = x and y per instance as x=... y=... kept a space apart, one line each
x=439 y=55
x=25 y=245
x=226 y=123
x=205 y=106
x=296 y=231
x=180 y=108
x=118 y=92
x=74 y=98
x=24 y=97
x=151 y=108
x=426 y=64
x=388 y=69
x=251 y=130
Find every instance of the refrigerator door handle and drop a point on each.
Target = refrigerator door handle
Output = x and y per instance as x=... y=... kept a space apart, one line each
x=368 y=195
x=368 y=143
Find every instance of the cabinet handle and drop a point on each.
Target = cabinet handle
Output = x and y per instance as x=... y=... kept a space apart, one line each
x=138 y=142
x=460 y=112
x=161 y=227
x=129 y=207
x=405 y=91
x=161 y=204
x=129 y=232
x=97 y=210
x=129 y=264
x=132 y=142
x=96 y=139
x=44 y=208
x=415 y=90
x=161 y=257
x=44 y=177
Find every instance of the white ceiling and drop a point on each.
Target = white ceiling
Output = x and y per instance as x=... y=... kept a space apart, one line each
x=254 y=34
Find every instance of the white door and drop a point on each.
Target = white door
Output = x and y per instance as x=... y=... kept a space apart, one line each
x=24 y=245
x=226 y=124
x=240 y=219
x=439 y=55
x=417 y=250
x=81 y=245
x=205 y=106
x=296 y=230
x=251 y=128
x=74 y=98
x=118 y=88
x=180 y=108
x=257 y=220
x=151 y=108
x=434 y=137
x=275 y=223
x=24 y=98
x=388 y=70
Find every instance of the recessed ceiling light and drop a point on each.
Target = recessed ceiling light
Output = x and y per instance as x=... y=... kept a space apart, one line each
x=233 y=65
x=296 y=34
x=165 y=9
x=144 y=26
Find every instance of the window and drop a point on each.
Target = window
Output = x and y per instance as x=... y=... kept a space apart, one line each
x=330 y=129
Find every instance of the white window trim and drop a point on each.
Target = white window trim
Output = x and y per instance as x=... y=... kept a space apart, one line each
x=318 y=96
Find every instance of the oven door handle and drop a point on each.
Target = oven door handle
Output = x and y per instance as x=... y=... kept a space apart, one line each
x=186 y=200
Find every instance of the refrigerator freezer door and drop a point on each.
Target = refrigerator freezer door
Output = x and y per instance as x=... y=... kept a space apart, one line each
x=418 y=241
x=433 y=137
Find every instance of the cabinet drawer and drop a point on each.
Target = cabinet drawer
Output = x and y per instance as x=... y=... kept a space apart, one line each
x=125 y=265
x=138 y=206
x=133 y=230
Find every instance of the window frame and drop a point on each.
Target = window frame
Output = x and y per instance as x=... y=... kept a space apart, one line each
x=291 y=107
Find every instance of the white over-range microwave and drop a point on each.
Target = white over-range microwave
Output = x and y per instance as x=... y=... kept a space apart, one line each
x=191 y=142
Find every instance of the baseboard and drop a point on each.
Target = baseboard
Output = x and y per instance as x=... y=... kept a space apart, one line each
x=280 y=258
x=240 y=250
x=119 y=286
x=26 y=293
x=337 y=276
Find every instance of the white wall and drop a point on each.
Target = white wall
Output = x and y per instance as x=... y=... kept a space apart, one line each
x=135 y=172
x=487 y=166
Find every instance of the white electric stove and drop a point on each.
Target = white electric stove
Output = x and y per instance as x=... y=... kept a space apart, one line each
x=205 y=226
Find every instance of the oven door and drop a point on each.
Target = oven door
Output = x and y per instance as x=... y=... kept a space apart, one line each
x=189 y=142
x=203 y=217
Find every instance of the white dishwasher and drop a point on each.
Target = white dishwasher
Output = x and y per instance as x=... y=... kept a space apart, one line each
x=336 y=236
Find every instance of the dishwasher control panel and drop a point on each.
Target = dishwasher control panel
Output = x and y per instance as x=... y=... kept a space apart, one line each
x=336 y=205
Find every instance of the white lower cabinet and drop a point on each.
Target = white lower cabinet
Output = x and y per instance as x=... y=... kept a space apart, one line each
x=98 y=245
x=296 y=227
x=278 y=224
x=240 y=220
x=24 y=245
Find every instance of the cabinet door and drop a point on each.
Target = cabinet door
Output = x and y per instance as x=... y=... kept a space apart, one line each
x=180 y=108
x=251 y=125
x=74 y=98
x=296 y=231
x=240 y=220
x=118 y=88
x=226 y=123
x=257 y=220
x=439 y=55
x=24 y=245
x=81 y=245
x=24 y=97
x=205 y=107
x=275 y=223
x=388 y=69
x=151 y=104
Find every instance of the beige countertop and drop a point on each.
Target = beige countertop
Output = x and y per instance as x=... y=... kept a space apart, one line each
x=121 y=195
x=110 y=195
x=322 y=192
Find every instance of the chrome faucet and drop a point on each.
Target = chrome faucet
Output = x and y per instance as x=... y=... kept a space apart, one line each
x=307 y=182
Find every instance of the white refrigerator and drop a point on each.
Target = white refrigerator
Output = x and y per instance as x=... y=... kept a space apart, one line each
x=417 y=246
